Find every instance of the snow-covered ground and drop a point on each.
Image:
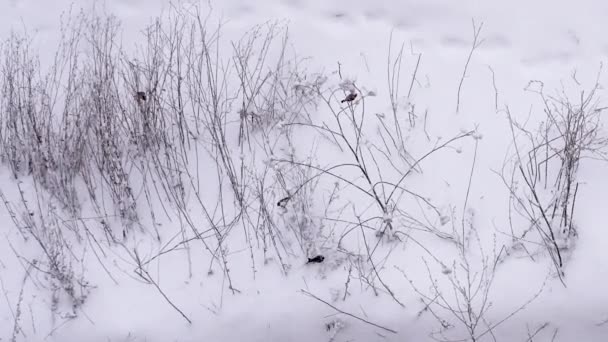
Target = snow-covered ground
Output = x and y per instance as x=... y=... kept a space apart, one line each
x=443 y=198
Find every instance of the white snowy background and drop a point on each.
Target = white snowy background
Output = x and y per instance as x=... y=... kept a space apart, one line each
x=462 y=250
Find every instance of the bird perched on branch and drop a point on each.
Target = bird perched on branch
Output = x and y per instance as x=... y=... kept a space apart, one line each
x=316 y=260
x=141 y=96
x=283 y=202
x=349 y=98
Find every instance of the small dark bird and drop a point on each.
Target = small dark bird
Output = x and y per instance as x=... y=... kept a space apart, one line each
x=349 y=98
x=141 y=96
x=316 y=260
x=283 y=202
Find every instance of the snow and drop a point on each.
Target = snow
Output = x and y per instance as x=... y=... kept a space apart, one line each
x=342 y=43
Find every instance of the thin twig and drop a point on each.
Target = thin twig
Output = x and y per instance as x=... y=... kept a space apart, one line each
x=348 y=314
x=476 y=43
